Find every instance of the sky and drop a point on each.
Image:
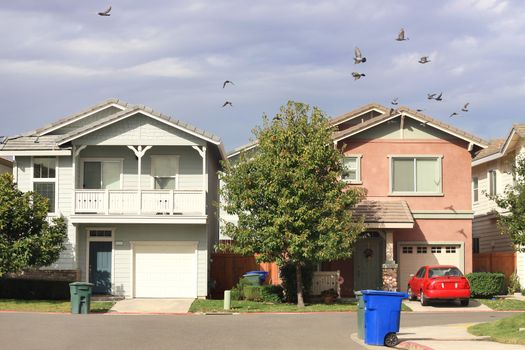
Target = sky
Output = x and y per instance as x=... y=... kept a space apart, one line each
x=58 y=57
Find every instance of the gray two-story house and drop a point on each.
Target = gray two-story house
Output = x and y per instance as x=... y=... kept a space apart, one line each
x=137 y=189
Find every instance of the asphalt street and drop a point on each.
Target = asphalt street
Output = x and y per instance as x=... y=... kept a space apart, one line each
x=24 y=331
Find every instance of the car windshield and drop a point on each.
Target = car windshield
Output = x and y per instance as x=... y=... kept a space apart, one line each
x=444 y=271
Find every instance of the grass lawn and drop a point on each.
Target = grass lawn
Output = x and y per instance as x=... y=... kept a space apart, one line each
x=505 y=330
x=50 y=305
x=253 y=306
x=503 y=304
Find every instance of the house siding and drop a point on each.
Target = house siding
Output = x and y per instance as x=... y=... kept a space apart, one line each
x=485 y=228
x=24 y=173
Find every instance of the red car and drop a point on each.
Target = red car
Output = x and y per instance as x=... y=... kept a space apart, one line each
x=440 y=282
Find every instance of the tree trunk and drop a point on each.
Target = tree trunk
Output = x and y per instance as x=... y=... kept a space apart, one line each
x=299 y=277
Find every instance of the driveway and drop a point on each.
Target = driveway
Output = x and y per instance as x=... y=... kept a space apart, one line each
x=153 y=306
x=24 y=331
x=446 y=306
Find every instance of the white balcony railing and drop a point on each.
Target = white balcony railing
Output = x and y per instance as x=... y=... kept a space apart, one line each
x=145 y=202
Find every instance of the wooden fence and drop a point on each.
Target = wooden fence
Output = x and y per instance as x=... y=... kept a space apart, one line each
x=227 y=269
x=504 y=262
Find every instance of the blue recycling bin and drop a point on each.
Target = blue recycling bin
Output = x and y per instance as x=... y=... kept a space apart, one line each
x=262 y=275
x=382 y=315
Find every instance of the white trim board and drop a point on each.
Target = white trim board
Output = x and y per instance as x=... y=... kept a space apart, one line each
x=101 y=239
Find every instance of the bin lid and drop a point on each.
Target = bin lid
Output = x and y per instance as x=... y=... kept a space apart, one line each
x=384 y=293
x=256 y=273
x=82 y=284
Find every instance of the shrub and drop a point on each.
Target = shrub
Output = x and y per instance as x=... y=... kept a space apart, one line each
x=13 y=288
x=253 y=293
x=237 y=292
x=486 y=284
x=514 y=284
x=272 y=294
x=288 y=277
x=523 y=292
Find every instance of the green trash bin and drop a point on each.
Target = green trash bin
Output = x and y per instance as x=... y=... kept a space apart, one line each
x=251 y=279
x=360 y=315
x=80 y=297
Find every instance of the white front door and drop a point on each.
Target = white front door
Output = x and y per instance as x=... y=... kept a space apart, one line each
x=167 y=270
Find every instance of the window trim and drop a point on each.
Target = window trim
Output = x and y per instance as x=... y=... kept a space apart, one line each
x=54 y=180
x=176 y=176
x=111 y=239
x=392 y=193
x=358 y=180
x=83 y=160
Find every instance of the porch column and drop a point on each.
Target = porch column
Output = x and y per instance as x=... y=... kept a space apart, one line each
x=74 y=155
x=202 y=153
x=390 y=268
x=139 y=153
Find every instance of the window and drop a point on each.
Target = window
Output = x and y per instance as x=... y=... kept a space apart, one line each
x=165 y=170
x=416 y=175
x=351 y=169
x=407 y=250
x=102 y=174
x=475 y=245
x=475 y=193
x=421 y=250
x=421 y=273
x=450 y=249
x=436 y=249
x=44 y=179
x=99 y=233
x=492 y=182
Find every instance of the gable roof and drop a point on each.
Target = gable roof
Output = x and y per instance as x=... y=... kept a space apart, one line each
x=405 y=111
x=358 y=112
x=499 y=147
x=40 y=140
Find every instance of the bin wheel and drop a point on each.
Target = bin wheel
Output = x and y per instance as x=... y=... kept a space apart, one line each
x=391 y=340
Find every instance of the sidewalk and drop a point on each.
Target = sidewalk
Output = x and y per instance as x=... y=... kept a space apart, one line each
x=446 y=337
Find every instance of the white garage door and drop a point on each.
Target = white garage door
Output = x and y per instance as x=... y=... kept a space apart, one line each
x=165 y=271
x=411 y=257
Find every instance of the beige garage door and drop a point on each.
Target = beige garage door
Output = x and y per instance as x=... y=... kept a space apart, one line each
x=167 y=270
x=411 y=257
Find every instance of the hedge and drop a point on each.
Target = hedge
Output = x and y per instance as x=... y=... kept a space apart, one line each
x=486 y=284
x=28 y=289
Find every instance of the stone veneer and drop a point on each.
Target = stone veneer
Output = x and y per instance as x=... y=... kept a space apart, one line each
x=390 y=271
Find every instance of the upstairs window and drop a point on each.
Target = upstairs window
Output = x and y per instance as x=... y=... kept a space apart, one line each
x=165 y=172
x=492 y=182
x=416 y=175
x=351 y=169
x=102 y=174
x=44 y=180
x=475 y=189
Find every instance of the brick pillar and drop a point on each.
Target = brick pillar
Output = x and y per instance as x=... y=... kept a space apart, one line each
x=390 y=276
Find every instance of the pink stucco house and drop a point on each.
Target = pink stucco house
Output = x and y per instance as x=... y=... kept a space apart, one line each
x=418 y=208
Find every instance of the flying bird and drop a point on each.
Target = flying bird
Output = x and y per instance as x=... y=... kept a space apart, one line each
x=401 y=35
x=419 y=110
x=424 y=60
x=395 y=101
x=105 y=13
x=227 y=103
x=439 y=97
x=358 y=56
x=357 y=75
x=431 y=96
x=227 y=82
x=453 y=115
x=465 y=107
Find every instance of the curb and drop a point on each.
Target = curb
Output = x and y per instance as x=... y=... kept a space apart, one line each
x=410 y=345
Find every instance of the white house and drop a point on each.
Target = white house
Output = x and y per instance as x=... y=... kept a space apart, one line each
x=137 y=189
x=491 y=173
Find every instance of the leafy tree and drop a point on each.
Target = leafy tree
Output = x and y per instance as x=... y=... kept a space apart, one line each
x=291 y=206
x=26 y=237
x=512 y=221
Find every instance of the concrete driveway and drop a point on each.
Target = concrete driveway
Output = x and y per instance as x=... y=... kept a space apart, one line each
x=153 y=306
x=446 y=306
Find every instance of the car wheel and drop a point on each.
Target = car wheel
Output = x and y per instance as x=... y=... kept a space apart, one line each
x=411 y=295
x=464 y=302
x=424 y=301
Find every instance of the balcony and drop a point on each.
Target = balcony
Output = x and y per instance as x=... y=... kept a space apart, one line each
x=145 y=202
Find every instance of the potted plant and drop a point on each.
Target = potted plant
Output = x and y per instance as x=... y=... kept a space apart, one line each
x=329 y=296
